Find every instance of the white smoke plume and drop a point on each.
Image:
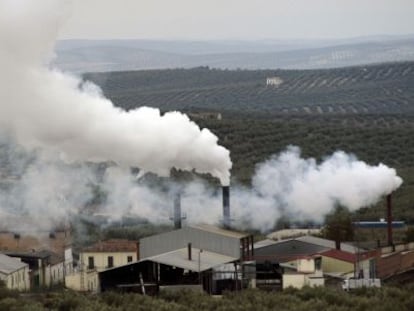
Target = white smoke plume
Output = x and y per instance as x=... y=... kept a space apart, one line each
x=286 y=184
x=47 y=109
x=58 y=117
x=307 y=190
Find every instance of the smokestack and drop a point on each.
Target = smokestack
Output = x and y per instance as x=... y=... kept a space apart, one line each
x=189 y=251
x=389 y=220
x=226 y=207
x=338 y=244
x=177 y=210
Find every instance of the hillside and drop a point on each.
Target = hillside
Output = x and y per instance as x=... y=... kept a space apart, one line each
x=123 y=55
x=367 y=111
x=379 y=89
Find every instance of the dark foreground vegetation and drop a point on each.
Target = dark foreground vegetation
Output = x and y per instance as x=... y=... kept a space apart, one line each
x=307 y=299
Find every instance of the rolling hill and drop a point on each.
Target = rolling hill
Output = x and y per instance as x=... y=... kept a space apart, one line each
x=124 y=55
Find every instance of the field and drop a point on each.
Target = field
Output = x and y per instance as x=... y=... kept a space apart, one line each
x=366 y=110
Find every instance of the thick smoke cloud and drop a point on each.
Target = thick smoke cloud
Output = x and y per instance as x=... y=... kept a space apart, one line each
x=286 y=184
x=48 y=109
x=307 y=190
x=52 y=123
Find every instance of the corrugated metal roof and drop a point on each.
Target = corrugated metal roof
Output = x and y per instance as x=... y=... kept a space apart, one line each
x=220 y=231
x=9 y=265
x=52 y=257
x=328 y=243
x=287 y=250
x=340 y=255
x=264 y=243
x=179 y=259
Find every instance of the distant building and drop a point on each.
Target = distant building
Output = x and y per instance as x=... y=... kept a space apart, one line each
x=274 y=81
x=14 y=273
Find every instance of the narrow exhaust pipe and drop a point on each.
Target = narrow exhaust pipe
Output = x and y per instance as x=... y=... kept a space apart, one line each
x=177 y=210
x=389 y=220
x=226 y=207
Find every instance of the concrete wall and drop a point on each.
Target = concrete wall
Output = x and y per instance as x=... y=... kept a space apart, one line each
x=90 y=281
x=293 y=280
x=18 y=280
x=306 y=265
x=335 y=265
x=101 y=259
x=55 y=274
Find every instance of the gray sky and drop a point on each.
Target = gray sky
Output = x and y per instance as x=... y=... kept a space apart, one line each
x=237 y=19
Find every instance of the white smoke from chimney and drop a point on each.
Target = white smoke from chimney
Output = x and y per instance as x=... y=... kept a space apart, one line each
x=308 y=190
x=58 y=114
x=286 y=184
x=48 y=109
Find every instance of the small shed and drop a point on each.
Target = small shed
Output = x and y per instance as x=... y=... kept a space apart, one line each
x=14 y=273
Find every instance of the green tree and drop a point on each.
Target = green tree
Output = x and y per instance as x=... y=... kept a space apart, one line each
x=338 y=225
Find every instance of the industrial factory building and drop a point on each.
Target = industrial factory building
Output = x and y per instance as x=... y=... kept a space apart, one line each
x=201 y=257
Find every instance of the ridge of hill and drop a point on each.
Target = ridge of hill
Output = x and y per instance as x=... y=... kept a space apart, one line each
x=124 y=55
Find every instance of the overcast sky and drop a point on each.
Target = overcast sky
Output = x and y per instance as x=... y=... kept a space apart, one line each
x=238 y=19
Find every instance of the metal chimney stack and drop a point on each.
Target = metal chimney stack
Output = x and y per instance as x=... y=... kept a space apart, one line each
x=177 y=210
x=389 y=220
x=226 y=207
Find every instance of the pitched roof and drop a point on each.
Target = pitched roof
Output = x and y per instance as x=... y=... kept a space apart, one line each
x=52 y=257
x=113 y=245
x=329 y=243
x=179 y=259
x=264 y=243
x=286 y=250
x=220 y=231
x=9 y=265
x=349 y=257
x=340 y=255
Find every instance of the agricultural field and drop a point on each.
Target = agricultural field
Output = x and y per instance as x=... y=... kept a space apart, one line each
x=376 y=89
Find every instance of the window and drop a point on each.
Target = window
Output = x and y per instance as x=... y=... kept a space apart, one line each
x=110 y=261
x=129 y=258
x=91 y=263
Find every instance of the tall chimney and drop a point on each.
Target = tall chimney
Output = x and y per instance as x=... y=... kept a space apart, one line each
x=389 y=220
x=226 y=207
x=177 y=210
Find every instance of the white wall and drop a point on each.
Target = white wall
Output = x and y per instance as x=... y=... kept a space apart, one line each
x=18 y=280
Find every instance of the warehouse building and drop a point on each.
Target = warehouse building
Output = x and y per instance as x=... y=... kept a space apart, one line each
x=199 y=257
